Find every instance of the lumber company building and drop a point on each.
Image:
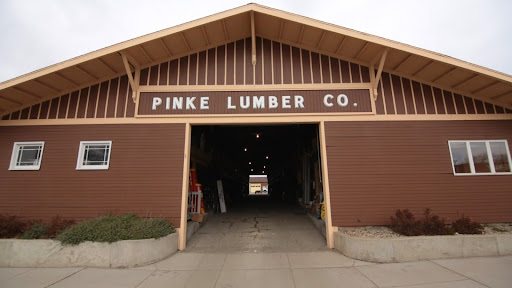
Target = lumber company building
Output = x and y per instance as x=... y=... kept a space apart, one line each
x=369 y=124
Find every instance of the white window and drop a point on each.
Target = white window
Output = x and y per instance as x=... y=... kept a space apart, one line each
x=94 y=155
x=26 y=155
x=480 y=157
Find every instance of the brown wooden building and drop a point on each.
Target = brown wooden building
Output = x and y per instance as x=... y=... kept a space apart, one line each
x=399 y=127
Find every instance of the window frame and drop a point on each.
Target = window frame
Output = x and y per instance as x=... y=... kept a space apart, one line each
x=489 y=157
x=81 y=151
x=15 y=153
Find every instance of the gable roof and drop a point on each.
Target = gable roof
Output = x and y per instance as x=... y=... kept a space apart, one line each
x=405 y=60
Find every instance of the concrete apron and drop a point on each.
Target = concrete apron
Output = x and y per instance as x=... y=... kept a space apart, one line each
x=258 y=227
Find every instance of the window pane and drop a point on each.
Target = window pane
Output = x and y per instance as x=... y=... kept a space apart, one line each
x=480 y=157
x=499 y=156
x=96 y=155
x=460 y=157
x=28 y=155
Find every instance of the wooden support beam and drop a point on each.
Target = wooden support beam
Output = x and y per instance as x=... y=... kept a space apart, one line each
x=485 y=87
x=66 y=79
x=465 y=81
x=25 y=92
x=10 y=100
x=146 y=53
x=372 y=81
x=501 y=95
x=253 y=38
x=362 y=50
x=165 y=47
x=381 y=66
x=341 y=45
x=85 y=72
x=423 y=68
x=300 y=35
x=185 y=40
x=106 y=65
x=321 y=40
x=281 y=25
x=46 y=85
x=444 y=74
x=205 y=35
x=402 y=62
x=226 y=36
x=134 y=83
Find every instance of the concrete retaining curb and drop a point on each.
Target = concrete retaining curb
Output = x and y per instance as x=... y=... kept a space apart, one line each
x=385 y=250
x=51 y=253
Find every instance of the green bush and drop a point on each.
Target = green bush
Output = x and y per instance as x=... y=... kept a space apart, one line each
x=36 y=231
x=115 y=228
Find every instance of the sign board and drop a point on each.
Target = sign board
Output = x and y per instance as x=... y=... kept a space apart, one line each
x=221 y=196
x=255 y=102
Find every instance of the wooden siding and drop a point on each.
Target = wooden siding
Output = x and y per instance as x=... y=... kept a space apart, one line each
x=400 y=96
x=231 y=64
x=145 y=174
x=377 y=167
x=108 y=99
x=277 y=63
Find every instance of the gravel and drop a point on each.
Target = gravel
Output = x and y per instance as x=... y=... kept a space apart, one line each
x=385 y=232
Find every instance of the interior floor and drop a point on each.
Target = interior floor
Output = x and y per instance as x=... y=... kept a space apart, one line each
x=261 y=225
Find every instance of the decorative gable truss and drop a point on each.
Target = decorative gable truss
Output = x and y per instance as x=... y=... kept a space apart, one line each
x=277 y=64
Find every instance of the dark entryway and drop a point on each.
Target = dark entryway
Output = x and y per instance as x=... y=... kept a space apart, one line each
x=277 y=220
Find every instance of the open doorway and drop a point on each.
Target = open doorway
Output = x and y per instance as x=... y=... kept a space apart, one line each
x=271 y=182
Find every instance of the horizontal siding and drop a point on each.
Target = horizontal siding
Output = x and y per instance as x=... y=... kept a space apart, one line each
x=377 y=167
x=145 y=174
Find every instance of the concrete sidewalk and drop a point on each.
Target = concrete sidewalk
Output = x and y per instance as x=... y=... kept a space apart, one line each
x=290 y=269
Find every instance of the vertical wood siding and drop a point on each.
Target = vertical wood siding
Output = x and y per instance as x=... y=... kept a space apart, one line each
x=145 y=174
x=399 y=96
x=377 y=167
x=109 y=99
x=277 y=63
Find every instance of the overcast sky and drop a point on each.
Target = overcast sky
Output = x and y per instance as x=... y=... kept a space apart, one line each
x=39 y=33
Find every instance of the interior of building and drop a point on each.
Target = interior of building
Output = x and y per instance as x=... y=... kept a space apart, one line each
x=287 y=154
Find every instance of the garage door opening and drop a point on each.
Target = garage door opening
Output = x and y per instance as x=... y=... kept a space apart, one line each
x=271 y=183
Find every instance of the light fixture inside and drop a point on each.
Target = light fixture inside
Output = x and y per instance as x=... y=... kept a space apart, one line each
x=257 y=135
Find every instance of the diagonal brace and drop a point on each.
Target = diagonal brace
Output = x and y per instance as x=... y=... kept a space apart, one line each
x=134 y=82
x=379 y=72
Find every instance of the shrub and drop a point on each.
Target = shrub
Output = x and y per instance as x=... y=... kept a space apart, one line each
x=58 y=224
x=434 y=225
x=11 y=226
x=36 y=231
x=406 y=224
x=115 y=228
x=464 y=225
